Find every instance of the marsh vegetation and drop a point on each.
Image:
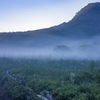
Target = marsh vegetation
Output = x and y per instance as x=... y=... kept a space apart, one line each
x=26 y=79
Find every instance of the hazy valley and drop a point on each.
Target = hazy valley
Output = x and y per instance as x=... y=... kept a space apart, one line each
x=57 y=63
x=79 y=38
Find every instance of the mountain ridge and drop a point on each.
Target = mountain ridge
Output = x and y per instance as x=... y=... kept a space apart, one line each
x=85 y=22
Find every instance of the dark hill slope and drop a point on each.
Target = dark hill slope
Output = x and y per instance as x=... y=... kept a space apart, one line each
x=85 y=23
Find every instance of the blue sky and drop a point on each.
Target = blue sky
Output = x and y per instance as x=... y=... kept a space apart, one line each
x=23 y=15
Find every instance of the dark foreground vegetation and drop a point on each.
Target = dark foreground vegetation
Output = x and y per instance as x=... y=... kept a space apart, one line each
x=24 y=79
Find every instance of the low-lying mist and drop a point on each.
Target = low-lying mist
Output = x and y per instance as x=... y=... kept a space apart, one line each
x=53 y=48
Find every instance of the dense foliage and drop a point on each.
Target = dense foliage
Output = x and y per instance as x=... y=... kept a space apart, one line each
x=67 y=79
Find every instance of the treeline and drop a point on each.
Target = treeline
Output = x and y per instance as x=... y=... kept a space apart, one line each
x=64 y=79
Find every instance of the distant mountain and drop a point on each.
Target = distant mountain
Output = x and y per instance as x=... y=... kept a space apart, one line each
x=85 y=23
x=81 y=35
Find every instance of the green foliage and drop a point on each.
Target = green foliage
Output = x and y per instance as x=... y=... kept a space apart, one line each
x=92 y=66
x=66 y=92
x=64 y=79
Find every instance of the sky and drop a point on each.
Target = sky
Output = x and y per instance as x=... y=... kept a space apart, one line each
x=24 y=15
